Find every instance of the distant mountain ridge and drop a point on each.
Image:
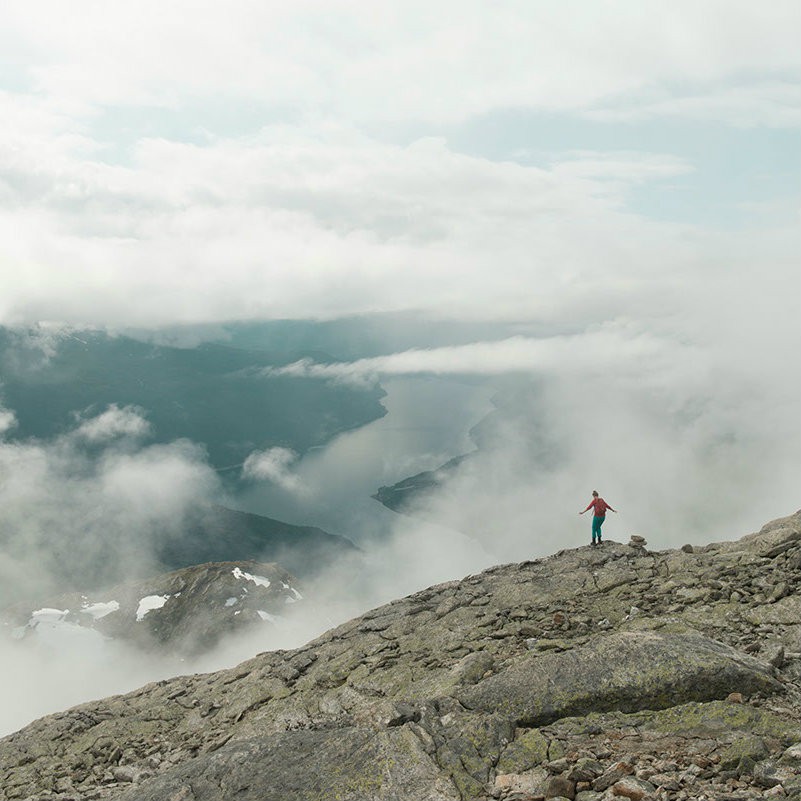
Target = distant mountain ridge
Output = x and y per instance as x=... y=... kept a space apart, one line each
x=214 y=533
x=208 y=533
x=594 y=674
x=182 y=613
x=405 y=495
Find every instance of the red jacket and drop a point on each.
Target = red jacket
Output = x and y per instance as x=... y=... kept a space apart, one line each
x=600 y=507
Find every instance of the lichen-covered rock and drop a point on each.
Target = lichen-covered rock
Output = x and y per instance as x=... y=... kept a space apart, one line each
x=530 y=748
x=350 y=765
x=439 y=696
x=749 y=746
x=626 y=671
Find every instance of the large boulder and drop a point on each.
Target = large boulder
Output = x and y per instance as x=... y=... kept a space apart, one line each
x=627 y=671
x=353 y=764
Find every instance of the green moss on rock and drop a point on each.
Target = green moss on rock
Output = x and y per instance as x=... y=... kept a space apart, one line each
x=746 y=747
x=529 y=749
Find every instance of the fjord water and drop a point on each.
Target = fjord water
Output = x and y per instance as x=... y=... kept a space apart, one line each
x=428 y=422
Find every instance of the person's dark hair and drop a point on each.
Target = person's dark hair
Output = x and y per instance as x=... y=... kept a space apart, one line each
x=595 y=493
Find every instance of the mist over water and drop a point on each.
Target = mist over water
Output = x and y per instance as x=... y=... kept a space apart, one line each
x=427 y=423
x=110 y=501
x=684 y=456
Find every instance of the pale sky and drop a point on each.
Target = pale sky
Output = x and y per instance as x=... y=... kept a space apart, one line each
x=207 y=161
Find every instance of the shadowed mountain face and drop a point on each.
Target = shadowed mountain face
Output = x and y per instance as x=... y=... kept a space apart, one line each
x=207 y=533
x=597 y=673
x=217 y=534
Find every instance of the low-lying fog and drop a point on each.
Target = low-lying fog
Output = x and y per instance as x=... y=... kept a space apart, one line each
x=682 y=460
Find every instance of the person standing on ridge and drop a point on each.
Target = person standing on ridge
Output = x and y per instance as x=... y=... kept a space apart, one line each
x=599 y=505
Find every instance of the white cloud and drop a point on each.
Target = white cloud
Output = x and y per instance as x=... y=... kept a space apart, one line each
x=114 y=422
x=775 y=104
x=392 y=61
x=298 y=223
x=78 y=516
x=634 y=352
x=8 y=420
x=273 y=465
x=624 y=168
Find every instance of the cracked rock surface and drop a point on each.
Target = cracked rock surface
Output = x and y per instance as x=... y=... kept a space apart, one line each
x=596 y=673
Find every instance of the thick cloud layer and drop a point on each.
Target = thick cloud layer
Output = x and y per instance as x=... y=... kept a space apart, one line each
x=86 y=508
x=307 y=223
x=398 y=60
x=217 y=162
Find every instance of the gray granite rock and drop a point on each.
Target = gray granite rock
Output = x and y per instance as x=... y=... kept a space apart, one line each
x=626 y=671
x=440 y=696
x=350 y=764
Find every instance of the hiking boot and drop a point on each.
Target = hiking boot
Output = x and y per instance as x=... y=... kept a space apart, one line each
x=593 y=543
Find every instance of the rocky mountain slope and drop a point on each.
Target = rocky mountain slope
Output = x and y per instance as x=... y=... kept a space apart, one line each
x=186 y=611
x=597 y=673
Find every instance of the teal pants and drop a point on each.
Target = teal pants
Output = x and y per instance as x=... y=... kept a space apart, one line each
x=597 y=522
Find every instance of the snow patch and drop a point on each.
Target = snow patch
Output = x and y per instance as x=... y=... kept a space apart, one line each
x=261 y=581
x=296 y=595
x=44 y=618
x=53 y=630
x=274 y=619
x=100 y=609
x=149 y=603
x=47 y=615
x=231 y=601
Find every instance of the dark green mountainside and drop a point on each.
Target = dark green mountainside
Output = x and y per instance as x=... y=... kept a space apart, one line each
x=217 y=534
x=212 y=394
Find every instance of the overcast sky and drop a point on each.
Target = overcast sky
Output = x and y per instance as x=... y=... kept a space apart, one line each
x=164 y=163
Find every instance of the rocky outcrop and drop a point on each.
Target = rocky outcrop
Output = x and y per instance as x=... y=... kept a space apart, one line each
x=597 y=673
x=626 y=671
x=187 y=611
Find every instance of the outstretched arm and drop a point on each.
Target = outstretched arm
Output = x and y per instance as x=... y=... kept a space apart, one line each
x=588 y=508
x=611 y=509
